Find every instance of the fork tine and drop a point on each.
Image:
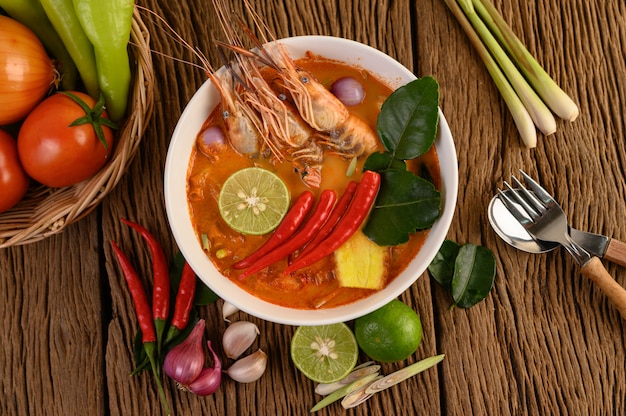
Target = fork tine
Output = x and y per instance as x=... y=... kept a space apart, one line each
x=510 y=204
x=520 y=199
x=539 y=191
x=537 y=205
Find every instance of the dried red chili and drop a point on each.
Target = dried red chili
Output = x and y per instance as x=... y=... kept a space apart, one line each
x=298 y=240
x=358 y=210
x=287 y=227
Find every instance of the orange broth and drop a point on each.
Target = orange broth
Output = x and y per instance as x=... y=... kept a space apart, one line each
x=315 y=286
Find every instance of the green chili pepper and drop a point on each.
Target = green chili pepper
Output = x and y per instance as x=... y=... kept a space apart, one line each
x=107 y=24
x=64 y=20
x=31 y=14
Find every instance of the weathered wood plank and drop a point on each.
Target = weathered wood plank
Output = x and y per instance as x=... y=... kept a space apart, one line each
x=52 y=360
x=544 y=342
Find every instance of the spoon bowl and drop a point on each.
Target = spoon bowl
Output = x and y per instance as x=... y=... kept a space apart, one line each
x=511 y=231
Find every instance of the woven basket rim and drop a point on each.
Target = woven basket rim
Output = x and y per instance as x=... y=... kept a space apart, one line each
x=46 y=211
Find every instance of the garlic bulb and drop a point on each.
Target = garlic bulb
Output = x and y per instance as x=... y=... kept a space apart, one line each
x=238 y=337
x=248 y=369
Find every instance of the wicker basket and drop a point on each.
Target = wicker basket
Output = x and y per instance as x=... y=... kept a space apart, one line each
x=46 y=211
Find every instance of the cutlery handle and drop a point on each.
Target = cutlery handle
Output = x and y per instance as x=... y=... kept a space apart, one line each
x=596 y=272
x=616 y=252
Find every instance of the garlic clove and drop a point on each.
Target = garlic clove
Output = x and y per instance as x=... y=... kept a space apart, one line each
x=228 y=309
x=209 y=379
x=248 y=369
x=185 y=361
x=238 y=337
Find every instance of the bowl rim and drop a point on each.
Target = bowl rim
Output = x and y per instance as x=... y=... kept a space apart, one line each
x=204 y=100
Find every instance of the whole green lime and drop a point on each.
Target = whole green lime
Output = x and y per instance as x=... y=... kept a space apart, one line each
x=391 y=333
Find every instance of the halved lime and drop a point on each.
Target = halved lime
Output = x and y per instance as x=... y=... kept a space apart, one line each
x=253 y=201
x=324 y=353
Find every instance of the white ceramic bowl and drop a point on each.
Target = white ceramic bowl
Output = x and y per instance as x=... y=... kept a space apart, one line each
x=179 y=153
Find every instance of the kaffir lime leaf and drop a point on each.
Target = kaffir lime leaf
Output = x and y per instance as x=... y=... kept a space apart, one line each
x=324 y=353
x=253 y=201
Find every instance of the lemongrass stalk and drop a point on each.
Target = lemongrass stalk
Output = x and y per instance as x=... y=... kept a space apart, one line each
x=558 y=101
x=403 y=374
x=342 y=392
x=520 y=115
x=539 y=112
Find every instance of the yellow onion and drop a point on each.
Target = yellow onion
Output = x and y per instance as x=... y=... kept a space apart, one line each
x=26 y=71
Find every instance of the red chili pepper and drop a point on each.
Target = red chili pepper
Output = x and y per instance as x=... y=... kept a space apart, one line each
x=312 y=226
x=184 y=298
x=144 y=316
x=287 y=227
x=358 y=210
x=138 y=294
x=160 y=271
x=334 y=218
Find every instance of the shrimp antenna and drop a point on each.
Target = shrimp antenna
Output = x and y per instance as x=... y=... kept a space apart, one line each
x=205 y=65
x=228 y=65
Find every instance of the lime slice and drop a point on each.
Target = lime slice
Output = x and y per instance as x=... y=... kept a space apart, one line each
x=253 y=201
x=325 y=353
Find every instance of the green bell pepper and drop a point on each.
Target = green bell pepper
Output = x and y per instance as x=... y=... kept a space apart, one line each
x=107 y=24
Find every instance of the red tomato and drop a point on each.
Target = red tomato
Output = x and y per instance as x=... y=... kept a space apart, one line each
x=55 y=153
x=13 y=179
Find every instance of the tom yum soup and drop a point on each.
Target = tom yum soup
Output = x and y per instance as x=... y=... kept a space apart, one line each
x=311 y=185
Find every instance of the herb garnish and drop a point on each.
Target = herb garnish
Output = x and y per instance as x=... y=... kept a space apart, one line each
x=407 y=126
x=467 y=271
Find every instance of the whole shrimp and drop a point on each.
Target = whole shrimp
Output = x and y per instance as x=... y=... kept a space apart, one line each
x=286 y=134
x=243 y=126
x=346 y=133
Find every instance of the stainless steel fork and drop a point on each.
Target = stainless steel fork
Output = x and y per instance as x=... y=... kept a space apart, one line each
x=545 y=220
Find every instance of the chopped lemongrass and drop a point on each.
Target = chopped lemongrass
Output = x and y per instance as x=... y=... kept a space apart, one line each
x=539 y=112
x=558 y=101
x=401 y=375
x=360 y=366
x=342 y=392
x=351 y=167
x=522 y=119
x=206 y=244
x=324 y=389
x=357 y=373
x=358 y=396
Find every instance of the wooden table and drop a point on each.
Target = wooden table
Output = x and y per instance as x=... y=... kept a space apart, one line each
x=545 y=341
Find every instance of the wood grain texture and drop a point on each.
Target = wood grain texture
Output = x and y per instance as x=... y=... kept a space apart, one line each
x=545 y=341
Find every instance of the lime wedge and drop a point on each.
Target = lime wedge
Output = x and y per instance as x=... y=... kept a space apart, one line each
x=253 y=201
x=325 y=353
